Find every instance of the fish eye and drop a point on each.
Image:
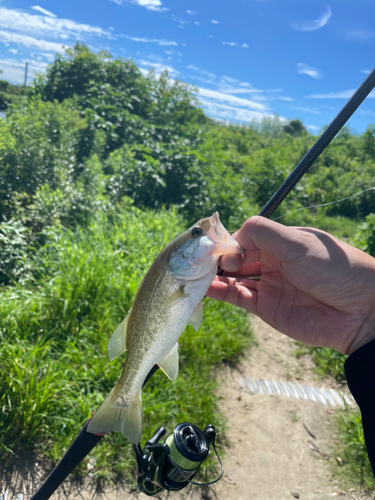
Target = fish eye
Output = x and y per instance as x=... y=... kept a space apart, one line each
x=196 y=231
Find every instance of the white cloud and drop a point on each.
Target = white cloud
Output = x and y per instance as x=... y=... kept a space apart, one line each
x=30 y=42
x=173 y=53
x=150 y=4
x=201 y=71
x=305 y=110
x=219 y=96
x=14 y=71
x=228 y=113
x=305 y=69
x=228 y=79
x=235 y=44
x=158 y=67
x=312 y=127
x=180 y=20
x=360 y=35
x=196 y=22
x=149 y=57
x=154 y=5
x=315 y=24
x=287 y=99
x=46 y=26
x=213 y=21
x=47 y=55
x=164 y=43
x=227 y=83
x=192 y=12
x=233 y=90
x=13 y=51
x=344 y=94
x=43 y=11
x=366 y=71
x=203 y=80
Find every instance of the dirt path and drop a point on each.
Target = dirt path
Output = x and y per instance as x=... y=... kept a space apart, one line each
x=271 y=454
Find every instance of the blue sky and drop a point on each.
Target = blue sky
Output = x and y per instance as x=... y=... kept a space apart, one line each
x=248 y=58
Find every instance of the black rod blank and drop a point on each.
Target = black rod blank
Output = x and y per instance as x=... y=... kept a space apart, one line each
x=81 y=446
x=334 y=127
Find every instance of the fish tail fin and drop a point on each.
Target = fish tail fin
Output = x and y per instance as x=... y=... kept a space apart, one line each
x=116 y=415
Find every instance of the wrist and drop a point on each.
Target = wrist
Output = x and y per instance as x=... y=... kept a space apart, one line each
x=365 y=334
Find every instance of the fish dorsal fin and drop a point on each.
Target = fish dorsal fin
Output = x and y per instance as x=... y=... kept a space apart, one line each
x=169 y=364
x=196 y=318
x=175 y=298
x=117 y=343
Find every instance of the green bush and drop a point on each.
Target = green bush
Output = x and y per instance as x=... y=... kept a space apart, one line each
x=14 y=241
x=365 y=236
x=37 y=147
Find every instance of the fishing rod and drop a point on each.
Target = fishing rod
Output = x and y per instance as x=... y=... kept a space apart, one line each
x=172 y=465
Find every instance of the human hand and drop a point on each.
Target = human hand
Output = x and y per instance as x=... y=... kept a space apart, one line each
x=311 y=286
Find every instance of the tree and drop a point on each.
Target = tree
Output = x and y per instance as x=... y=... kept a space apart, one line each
x=295 y=128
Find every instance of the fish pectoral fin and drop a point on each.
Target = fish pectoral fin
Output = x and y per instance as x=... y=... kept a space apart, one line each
x=119 y=415
x=169 y=364
x=117 y=343
x=196 y=318
x=175 y=298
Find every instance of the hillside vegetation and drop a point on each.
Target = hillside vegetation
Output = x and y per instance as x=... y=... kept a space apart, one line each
x=100 y=167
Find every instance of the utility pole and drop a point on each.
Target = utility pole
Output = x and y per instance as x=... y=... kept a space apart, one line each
x=26 y=66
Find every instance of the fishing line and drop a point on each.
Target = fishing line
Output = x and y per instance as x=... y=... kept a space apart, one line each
x=325 y=204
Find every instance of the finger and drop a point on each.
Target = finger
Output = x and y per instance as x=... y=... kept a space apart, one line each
x=232 y=262
x=247 y=270
x=238 y=281
x=236 y=294
x=259 y=233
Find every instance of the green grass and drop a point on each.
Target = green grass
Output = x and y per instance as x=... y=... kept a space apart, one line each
x=351 y=448
x=54 y=370
x=329 y=362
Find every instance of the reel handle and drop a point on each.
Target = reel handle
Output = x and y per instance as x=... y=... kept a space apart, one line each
x=159 y=433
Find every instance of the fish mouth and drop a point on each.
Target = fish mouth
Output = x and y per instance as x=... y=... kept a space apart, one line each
x=224 y=242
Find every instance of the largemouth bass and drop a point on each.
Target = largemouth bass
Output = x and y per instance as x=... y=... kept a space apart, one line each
x=169 y=296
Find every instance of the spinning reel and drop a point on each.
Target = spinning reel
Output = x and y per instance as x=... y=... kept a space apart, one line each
x=172 y=465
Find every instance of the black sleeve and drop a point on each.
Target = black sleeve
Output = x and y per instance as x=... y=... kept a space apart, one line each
x=360 y=374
